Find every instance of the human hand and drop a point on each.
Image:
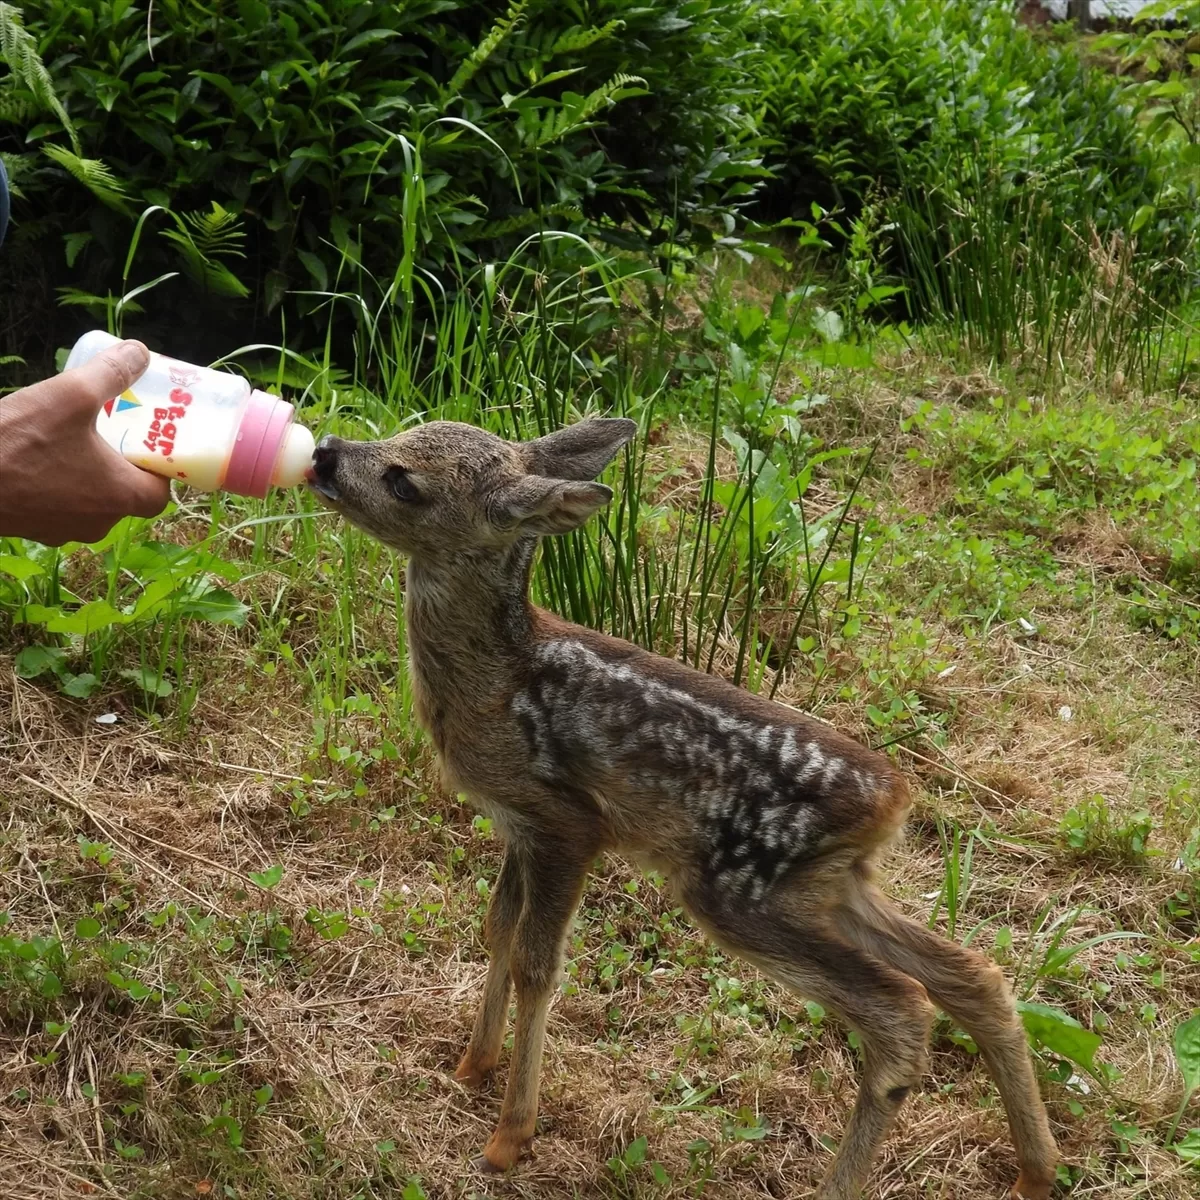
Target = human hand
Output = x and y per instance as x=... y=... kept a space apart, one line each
x=59 y=481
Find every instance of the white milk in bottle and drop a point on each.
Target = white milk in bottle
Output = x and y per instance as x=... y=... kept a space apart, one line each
x=208 y=429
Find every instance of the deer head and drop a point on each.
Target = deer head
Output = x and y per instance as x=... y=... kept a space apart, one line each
x=446 y=488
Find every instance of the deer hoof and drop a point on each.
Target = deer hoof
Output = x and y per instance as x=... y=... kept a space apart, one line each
x=472 y=1074
x=502 y=1153
x=1031 y=1187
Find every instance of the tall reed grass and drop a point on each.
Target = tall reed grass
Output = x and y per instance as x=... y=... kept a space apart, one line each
x=994 y=263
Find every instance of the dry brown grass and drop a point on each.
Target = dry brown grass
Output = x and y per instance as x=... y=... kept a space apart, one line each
x=356 y=1034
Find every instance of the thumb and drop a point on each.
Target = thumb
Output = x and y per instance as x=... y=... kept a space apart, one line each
x=107 y=375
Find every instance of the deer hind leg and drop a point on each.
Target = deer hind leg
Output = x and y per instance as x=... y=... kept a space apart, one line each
x=487 y=1036
x=553 y=876
x=974 y=992
x=890 y=1011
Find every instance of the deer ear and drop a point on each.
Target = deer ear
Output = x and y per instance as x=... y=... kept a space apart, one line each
x=581 y=451
x=535 y=504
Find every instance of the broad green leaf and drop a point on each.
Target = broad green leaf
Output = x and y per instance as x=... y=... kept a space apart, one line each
x=367 y=37
x=148 y=558
x=841 y=354
x=215 y=605
x=1188 y=1148
x=315 y=268
x=1187 y=1052
x=875 y=295
x=80 y=686
x=149 y=681
x=37 y=660
x=20 y=567
x=1060 y=1033
x=88 y=927
x=159 y=594
x=38 y=614
x=269 y=878
x=1140 y=217
x=828 y=324
x=92 y=617
x=333 y=926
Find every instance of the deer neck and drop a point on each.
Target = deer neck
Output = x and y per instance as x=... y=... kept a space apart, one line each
x=470 y=623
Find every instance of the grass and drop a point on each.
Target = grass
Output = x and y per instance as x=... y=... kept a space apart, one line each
x=244 y=928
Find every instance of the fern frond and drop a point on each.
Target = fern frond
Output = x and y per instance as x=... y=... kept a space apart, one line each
x=579 y=37
x=16 y=104
x=577 y=111
x=98 y=306
x=93 y=174
x=18 y=167
x=202 y=239
x=486 y=48
x=19 y=50
x=529 y=219
x=217 y=232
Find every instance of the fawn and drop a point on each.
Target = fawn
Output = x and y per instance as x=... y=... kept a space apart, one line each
x=767 y=821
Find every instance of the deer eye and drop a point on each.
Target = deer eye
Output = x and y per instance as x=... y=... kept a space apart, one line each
x=401 y=486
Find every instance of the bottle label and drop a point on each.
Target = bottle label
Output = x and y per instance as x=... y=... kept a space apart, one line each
x=164 y=427
x=177 y=420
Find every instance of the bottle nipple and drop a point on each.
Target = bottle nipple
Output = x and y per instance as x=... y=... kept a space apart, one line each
x=295 y=457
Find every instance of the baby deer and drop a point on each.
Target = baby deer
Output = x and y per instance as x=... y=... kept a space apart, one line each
x=767 y=821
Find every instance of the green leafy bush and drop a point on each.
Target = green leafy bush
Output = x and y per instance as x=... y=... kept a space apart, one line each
x=320 y=128
x=1159 y=56
x=986 y=166
x=847 y=90
x=859 y=94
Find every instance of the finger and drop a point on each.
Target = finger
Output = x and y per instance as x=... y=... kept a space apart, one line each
x=83 y=529
x=105 y=376
x=147 y=494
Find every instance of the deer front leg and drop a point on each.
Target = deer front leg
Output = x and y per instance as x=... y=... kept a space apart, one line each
x=504 y=911
x=553 y=878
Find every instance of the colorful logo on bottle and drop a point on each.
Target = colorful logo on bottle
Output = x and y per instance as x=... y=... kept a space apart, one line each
x=122 y=402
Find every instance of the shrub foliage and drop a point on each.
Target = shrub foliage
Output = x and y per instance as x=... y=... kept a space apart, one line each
x=922 y=96
x=296 y=148
x=316 y=127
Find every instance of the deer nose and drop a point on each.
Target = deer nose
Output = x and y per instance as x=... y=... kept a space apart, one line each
x=325 y=459
x=321 y=474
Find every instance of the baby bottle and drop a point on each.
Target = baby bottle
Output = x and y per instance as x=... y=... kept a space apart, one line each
x=208 y=429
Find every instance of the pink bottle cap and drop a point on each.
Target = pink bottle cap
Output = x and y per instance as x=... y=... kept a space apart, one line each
x=260 y=437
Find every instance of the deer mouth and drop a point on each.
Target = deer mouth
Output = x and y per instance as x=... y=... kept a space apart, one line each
x=323 y=487
x=321 y=475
